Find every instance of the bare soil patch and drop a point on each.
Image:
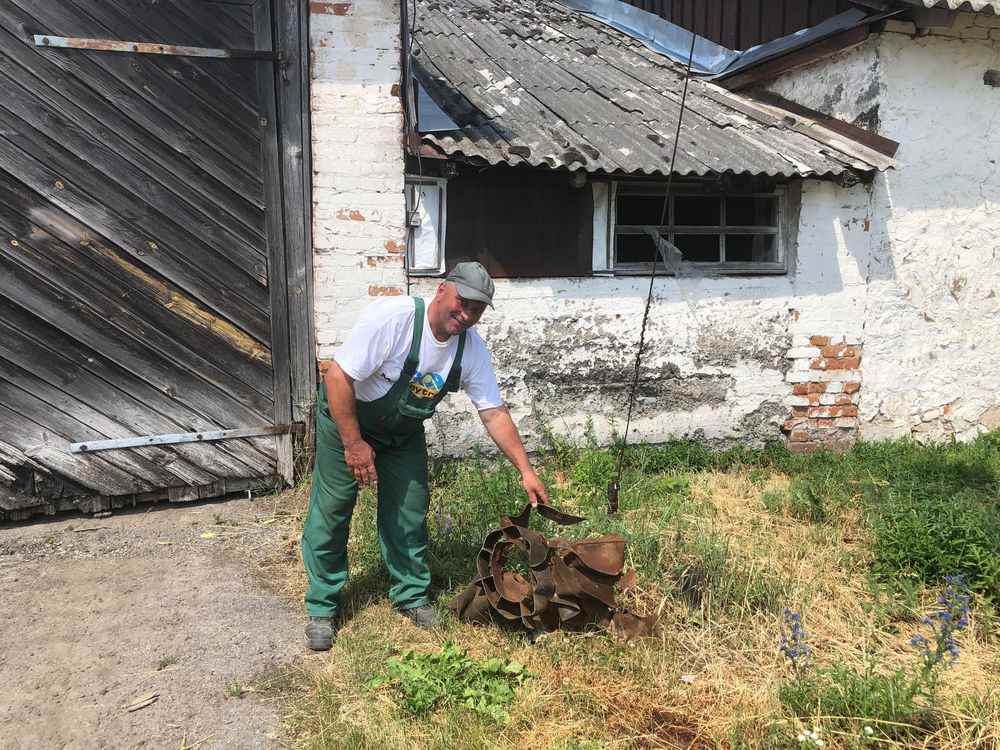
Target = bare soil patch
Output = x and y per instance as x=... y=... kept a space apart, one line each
x=101 y=613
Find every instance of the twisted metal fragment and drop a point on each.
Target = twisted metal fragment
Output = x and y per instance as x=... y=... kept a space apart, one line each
x=569 y=585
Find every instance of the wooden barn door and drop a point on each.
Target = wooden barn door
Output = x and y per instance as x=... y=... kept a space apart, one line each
x=142 y=263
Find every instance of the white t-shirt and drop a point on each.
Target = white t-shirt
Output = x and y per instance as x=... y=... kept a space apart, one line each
x=376 y=349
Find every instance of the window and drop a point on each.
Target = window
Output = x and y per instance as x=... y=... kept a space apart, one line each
x=721 y=232
x=426 y=201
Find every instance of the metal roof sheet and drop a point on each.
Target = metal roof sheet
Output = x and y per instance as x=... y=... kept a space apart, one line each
x=535 y=82
x=975 y=6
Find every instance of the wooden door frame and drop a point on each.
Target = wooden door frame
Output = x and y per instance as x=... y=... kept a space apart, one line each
x=288 y=184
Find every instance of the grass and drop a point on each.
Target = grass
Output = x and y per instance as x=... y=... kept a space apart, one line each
x=723 y=542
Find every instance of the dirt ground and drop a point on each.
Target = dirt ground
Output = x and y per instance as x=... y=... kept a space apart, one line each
x=97 y=614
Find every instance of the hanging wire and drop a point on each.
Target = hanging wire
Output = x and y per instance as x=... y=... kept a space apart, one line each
x=614 y=487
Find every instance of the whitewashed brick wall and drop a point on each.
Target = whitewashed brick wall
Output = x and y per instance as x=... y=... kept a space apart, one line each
x=357 y=127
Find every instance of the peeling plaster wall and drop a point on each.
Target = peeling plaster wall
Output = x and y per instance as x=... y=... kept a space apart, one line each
x=930 y=294
x=357 y=125
x=715 y=365
x=906 y=266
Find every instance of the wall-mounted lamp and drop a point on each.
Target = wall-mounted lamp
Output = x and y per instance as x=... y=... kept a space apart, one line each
x=450 y=169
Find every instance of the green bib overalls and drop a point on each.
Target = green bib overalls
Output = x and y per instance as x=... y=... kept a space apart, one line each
x=393 y=426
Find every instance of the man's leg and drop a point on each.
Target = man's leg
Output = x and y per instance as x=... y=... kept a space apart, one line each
x=324 y=537
x=402 y=514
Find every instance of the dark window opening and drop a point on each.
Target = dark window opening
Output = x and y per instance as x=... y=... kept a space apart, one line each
x=731 y=231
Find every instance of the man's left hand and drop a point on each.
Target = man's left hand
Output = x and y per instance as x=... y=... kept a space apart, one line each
x=535 y=489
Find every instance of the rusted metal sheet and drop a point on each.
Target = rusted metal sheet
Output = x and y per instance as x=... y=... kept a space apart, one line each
x=569 y=585
x=741 y=24
x=149 y=48
x=543 y=85
x=188 y=437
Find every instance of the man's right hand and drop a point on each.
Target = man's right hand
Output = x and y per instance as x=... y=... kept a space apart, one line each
x=360 y=460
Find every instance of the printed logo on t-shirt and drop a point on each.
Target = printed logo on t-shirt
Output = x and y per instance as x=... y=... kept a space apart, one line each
x=426 y=385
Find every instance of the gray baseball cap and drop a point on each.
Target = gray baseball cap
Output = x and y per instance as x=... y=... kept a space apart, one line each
x=473 y=282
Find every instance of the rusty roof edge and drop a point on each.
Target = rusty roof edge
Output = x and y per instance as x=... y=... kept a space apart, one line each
x=811 y=124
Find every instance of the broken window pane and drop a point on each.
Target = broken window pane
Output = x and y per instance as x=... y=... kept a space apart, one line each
x=705 y=222
x=697 y=211
x=751 y=248
x=751 y=212
x=698 y=248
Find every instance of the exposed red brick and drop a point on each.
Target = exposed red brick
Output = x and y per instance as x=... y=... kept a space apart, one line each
x=791 y=424
x=800 y=411
x=843 y=399
x=817 y=387
x=800 y=389
x=394 y=247
x=829 y=412
x=946 y=409
x=351 y=215
x=840 y=351
x=819 y=340
x=835 y=363
x=824 y=423
x=372 y=263
x=376 y=290
x=813 y=398
x=330 y=9
x=800 y=436
x=852 y=387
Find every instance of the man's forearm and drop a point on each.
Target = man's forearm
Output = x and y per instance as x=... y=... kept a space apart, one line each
x=340 y=396
x=504 y=433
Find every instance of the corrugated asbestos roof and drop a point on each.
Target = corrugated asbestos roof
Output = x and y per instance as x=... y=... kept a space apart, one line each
x=975 y=6
x=533 y=82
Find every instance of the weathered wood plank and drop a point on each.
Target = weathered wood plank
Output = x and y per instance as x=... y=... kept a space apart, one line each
x=96 y=275
x=212 y=94
x=51 y=450
x=83 y=322
x=280 y=347
x=194 y=230
x=293 y=137
x=134 y=399
x=180 y=18
x=95 y=115
x=53 y=408
x=209 y=285
x=141 y=418
x=172 y=101
x=22 y=26
x=89 y=303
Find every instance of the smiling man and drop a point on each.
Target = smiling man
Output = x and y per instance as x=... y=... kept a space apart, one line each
x=402 y=357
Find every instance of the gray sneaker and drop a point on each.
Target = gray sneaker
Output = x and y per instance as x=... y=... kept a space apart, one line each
x=423 y=616
x=320 y=633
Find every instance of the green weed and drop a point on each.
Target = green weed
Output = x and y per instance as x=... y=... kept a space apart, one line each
x=450 y=677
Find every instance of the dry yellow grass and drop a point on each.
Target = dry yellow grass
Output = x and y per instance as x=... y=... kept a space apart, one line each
x=709 y=679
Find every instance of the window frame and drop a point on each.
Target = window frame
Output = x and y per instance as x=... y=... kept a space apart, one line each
x=782 y=231
x=410 y=180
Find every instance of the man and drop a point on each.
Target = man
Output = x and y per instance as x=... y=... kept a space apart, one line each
x=401 y=358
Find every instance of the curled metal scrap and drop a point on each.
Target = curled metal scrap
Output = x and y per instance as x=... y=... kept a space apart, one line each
x=570 y=585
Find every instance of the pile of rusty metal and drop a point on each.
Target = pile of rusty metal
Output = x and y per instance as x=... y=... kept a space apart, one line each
x=568 y=585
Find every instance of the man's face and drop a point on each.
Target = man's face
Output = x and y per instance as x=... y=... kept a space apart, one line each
x=457 y=314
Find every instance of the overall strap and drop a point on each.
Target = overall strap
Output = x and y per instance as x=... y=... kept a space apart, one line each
x=413 y=358
x=455 y=376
